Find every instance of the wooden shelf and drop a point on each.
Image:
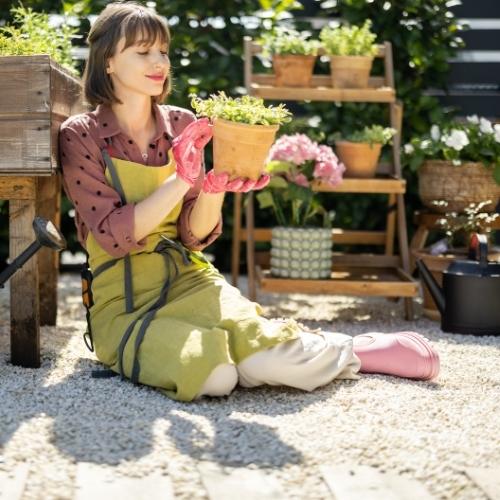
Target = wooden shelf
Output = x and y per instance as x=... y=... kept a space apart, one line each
x=320 y=91
x=373 y=281
x=375 y=185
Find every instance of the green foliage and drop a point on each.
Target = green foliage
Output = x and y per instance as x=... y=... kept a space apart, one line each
x=246 y=109
x=349 y=40
x=293 y=205
x=477 y=140
x=374 y=134
x=283 y=40
x=32 y=34
x=459 y=227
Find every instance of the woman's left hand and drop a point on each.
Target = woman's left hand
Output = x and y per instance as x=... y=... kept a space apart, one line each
x=220 y=183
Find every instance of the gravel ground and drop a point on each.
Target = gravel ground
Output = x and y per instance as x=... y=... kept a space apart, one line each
x=56 y=416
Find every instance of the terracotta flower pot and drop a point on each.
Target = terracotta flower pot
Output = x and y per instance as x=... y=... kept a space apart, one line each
x=360 y=159
x=350 y=72
x=459 y=185
x=241 y=149
x=293 y=70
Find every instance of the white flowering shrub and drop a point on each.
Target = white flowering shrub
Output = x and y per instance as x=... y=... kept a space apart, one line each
x=476 y=140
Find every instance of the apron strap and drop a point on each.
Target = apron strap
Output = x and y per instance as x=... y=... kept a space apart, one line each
x=164 y=248
x=129 y=291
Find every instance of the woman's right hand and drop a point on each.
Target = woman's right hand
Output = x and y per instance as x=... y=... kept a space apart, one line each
x=187 y=149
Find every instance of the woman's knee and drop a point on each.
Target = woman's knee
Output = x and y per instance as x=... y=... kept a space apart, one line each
x=220 y=382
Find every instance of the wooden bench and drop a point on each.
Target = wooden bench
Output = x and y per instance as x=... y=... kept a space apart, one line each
x=37 y=96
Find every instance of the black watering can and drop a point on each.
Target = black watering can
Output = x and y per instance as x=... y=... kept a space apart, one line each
x=469 y=301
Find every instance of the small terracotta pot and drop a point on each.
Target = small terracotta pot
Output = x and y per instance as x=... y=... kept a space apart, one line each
x=350 y=72
x=241 y=149
x=360 y=159
x=293 y=70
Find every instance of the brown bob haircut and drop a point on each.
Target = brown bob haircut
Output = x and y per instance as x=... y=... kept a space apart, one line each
x=136 y=23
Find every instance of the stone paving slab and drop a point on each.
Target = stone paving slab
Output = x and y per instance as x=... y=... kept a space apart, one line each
x=94 y=482
x=360 y=482
x=488 y=479
x=12 y=483
x=225 y=483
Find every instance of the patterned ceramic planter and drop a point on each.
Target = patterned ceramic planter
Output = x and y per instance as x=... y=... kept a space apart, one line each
x=301 y=252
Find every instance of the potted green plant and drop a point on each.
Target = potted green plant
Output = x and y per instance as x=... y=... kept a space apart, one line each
x=40 y=88
x=244 y=130
x=302 y=240
x=458 y=162
x=457 y=228
x=351 y=50
x=360 y=150
x=293 y=56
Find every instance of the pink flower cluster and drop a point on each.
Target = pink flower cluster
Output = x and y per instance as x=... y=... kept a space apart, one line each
x=298 y=149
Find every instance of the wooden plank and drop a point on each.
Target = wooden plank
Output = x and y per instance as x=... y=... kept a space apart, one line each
x=361 y=482
x=239 y=235
x=24 y=300
x=339 y=236
x=488 y=479
x=328 y=94
x=340 y=259
x=94 y=482
x=13 y=483
x=17 y=188
x=374 y=185
x=268 y=79
x=49 y=207
x=225 y=483
x=365 y=282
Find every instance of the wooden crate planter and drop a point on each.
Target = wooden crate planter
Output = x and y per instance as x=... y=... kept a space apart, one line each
x=38 y=94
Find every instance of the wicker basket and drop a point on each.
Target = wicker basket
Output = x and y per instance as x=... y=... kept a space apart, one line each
x=459 y=185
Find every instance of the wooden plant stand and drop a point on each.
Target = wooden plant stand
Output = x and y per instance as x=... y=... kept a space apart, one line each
x=37 y=96
x=352 y=274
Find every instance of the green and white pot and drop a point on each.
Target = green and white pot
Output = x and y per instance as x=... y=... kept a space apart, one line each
x=301 y=252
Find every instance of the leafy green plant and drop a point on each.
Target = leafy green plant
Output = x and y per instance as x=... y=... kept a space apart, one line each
x=246 y=109
x=287 y=41
x=35 y=35
x=374 y=134
x=349 y=40
x=459 y=227
x=476 y=140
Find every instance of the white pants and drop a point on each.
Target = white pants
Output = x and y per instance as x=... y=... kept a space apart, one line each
x=312 y=360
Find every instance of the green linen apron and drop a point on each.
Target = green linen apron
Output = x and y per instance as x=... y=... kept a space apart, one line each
x=163 y=315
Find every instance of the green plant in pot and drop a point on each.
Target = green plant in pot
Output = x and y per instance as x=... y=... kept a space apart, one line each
x=302 y=240
x=457 y=229
x=351 y=50
x=244 y=129
x=360 y=151
x=458 y=162
x=32 y=34
x=293 y=56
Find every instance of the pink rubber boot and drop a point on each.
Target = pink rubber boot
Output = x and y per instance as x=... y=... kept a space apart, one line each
x=404 y=354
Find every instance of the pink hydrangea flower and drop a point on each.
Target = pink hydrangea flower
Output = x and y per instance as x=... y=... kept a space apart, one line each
x=299 y=179
x=296 y=148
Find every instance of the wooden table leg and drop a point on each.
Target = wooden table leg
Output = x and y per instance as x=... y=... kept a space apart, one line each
x=404 y=252
x=24 y=304
x=249 y=221
x=236 y=246
x=49 y=207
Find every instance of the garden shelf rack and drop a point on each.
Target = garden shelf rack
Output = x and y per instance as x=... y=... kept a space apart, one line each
x=386 y=275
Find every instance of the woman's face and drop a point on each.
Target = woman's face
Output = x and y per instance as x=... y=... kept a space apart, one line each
x=133 y=70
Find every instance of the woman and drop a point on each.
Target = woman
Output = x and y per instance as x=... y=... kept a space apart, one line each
x=162 y=314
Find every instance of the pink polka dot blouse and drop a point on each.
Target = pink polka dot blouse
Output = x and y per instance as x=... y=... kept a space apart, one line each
x=97 y=204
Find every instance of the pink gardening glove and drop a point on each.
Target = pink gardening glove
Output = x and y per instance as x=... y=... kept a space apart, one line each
x=187 y=149
x=214 y=183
